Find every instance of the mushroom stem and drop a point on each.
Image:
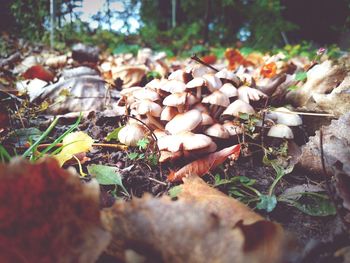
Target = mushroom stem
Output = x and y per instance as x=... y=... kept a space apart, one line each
x=218 y=111
x=180 y=108
x=199 y=93
x=213 y=109
x=155 y=122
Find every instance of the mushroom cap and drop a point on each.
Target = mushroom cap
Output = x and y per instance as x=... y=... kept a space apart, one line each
x=187 y=121
x=171 y=143
x=285 y=116
x=217 y=130
x=232 y=128
x=168 y=113
x=281 y=131
x=159 y=133
x=195 y=83
x=173 y=86
x=229 y=90
x=177 y=75
x=130 y=134
x=199 y=70
x=179 y=98
x=192 y=141
x=145 y=93
x=213 y=82
x=129 y=91
x=247 y=94
x=237 y=107
x=226 y=74
x=147 y=107
x=156 y=84
x=217 y=98
x=206 y=119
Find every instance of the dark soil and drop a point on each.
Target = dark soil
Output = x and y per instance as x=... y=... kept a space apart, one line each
x=315 y=238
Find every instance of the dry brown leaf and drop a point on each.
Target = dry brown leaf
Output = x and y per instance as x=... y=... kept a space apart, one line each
x=204 y=225
x=321 y=79
x=201 y=166
x=48 y=215
x=336 y=145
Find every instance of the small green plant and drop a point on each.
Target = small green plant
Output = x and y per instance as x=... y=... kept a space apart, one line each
x=146 y=154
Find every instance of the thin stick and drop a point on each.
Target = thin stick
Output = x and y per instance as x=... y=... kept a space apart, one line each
x=157 y=181
x=106 y=145
x=195 y=58
x=307 y=113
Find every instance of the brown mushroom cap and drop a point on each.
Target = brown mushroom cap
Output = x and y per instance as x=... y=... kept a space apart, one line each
x=171 y=143
x=217 y=98
x=192 y=141
x=177 y=75
x=229 y=90
x=187 y=121
x=237 y=107
x=159 y=133
x=218 y=131
x=247 y=94
x=281 y=131
x=169 y=156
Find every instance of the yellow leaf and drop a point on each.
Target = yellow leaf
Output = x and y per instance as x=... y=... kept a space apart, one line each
x=73 y=143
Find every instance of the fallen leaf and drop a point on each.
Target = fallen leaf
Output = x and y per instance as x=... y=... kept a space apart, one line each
x=202 y=166
x=74 y=143
x=209 y=59
x=269 y=70
x=38 y=72
x=203 y=225
x=130 y=75
x=48 y=215
x=106 y=175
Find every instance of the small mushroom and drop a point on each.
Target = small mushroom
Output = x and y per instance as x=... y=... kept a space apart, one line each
x=130 y=134
x=217 y=101
x=285 y=116
x=187 y=121
x=247 y=94
x=228 y=76
x=237 y=107
x=229 y=90
x=173 y=86
x=196 y=83
x=145 y=93
x=168 y=113
x=281 y=131
x=151 y=109
x=218 y=131
x=180 y=100
x=213 y=83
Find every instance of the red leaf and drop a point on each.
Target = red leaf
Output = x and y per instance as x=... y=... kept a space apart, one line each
x=202 y=166
x=269 y=70
x=209 y=59
x=38 y=72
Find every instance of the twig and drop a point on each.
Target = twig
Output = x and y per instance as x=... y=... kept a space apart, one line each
x=307 y=113
x=263 y=122
x=195 y=58
x=106 y=145
x=157 y=181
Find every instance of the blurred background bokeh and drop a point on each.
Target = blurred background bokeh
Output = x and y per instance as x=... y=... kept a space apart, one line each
x=179 y=26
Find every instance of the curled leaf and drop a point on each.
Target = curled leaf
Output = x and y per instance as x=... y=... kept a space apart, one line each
x=74 y=143
x=204 y=165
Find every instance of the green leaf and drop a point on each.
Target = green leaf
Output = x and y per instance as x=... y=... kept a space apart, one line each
x=293 y=87
x=21 y=136
x=315 y=206
x=300 y=76
x=153 y=159
x=106 y=175
x=113 y=135
x=244 y=116
x=133 y=156
x=267 y=203
x=143 y=143
x=175 y=191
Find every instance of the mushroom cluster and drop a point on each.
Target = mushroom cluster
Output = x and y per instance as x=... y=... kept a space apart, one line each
x=195 y=108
